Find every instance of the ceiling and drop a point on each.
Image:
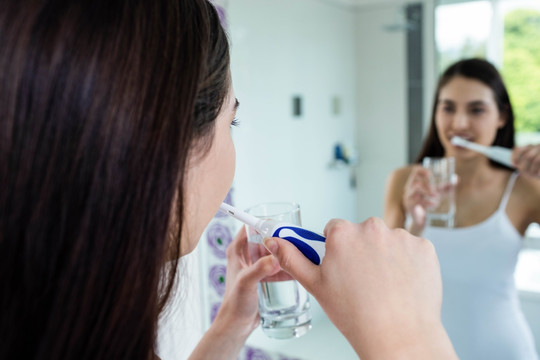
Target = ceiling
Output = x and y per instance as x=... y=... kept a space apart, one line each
x=359 y=3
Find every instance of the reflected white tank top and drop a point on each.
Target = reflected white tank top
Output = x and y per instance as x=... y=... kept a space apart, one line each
x=481 y=310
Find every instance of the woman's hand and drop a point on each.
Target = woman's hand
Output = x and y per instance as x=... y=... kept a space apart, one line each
x=527 y=160
x=247 y=265
x=418 y=196
x=380 y=287
x=238 y=315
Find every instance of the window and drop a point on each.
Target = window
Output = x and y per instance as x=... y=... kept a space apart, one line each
x=521 y=67
x=505 y=32
x=462 y=30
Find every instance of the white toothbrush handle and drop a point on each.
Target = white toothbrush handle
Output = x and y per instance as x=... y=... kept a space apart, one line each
x=501 y=155
x=496 y=153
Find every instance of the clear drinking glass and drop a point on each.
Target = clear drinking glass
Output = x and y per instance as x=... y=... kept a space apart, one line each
x=443 y=180
x=284 y=306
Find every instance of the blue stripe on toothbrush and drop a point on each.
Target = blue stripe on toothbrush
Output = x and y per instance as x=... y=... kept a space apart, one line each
x=300 y=237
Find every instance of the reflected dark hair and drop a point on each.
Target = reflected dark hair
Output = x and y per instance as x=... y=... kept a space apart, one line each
x=101 y=103
x=486 y=73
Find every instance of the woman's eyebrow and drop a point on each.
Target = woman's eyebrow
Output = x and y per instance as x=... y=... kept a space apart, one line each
x=445 y=101
x=236 y=105
x=476 y=103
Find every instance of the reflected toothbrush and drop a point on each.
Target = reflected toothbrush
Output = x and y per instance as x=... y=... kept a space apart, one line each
x=311 y=244
x=499 y=154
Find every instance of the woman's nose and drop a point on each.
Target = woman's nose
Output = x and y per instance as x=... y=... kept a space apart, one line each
x=460 y=121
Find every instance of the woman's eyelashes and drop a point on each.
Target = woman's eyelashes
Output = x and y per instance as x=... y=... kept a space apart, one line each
x=235 y=122
x=473 y=111
x=448 y=109
x=477 y=110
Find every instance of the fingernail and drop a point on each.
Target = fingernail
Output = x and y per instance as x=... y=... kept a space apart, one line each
x=271 y=245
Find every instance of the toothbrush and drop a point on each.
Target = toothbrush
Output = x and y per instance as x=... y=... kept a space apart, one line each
x=496 y=153
x=311 y=244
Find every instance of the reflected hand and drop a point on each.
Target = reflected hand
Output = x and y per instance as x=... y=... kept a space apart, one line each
x=418 y=197
x=527 y=160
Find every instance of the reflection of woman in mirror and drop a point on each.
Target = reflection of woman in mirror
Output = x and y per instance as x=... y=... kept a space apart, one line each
x=494 y=207
x=115 y=153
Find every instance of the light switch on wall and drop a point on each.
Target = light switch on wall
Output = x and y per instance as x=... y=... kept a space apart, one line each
x=336 y=105
x=297 y=105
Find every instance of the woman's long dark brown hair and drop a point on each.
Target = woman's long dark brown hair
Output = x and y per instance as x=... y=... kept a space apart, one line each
x=101 y=103
x=486 y=73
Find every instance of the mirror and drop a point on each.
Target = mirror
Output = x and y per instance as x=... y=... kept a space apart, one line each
x=310 y=74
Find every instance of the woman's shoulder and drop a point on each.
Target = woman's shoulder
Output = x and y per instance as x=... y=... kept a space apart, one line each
x=400 y=175
x=528 y=187
x=395 y=183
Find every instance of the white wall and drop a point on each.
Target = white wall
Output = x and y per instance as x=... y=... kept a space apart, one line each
x=382 y=98
x=181 y=326
x=283 y=48
x=381 y=129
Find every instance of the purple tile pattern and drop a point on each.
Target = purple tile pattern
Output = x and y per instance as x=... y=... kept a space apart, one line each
x=213 y=311
x=218 y=236
x=217 y=278
x=256 y=354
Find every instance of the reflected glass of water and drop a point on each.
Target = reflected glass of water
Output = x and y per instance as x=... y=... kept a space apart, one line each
x=443 y=181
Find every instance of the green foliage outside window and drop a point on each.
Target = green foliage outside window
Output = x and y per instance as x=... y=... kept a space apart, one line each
x=521 y=66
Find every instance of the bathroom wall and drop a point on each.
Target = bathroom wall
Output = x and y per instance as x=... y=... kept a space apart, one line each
x=381 y=99
x=284 y=49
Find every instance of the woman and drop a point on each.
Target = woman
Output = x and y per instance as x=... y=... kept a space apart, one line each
x=115 y=152
x=494 y=207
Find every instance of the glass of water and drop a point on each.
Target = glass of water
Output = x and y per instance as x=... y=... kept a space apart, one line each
x=443 y=180
x=284 y=306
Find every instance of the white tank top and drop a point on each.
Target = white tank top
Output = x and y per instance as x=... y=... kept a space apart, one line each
x=481 y=310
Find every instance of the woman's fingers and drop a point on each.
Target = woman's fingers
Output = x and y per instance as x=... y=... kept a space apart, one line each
x=293 y=261
x=263 y=268
x=527 y=159
x=418 y=189
x=419 y=215
x=237 y=247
